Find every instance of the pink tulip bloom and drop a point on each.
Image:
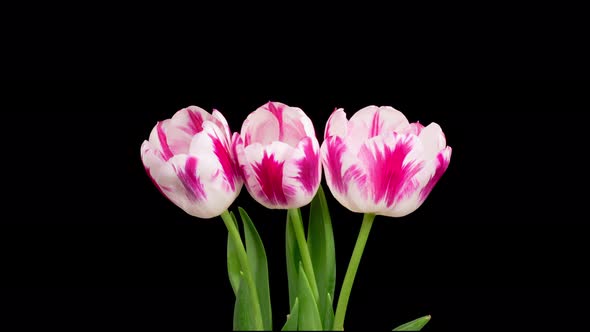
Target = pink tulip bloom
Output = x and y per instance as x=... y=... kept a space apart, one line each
x=377 y=162
x=189 y=158
x=278 y=154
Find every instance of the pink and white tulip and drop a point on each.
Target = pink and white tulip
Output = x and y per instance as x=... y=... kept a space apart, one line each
x=190 y=159
x=278 y=153
x=377 y=162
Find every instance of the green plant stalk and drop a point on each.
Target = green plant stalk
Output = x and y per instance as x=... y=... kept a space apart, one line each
x=355 y=259
x=243 y=257
x=304 y=251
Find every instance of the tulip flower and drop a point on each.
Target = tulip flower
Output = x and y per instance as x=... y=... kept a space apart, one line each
x=278 y=154
x=377 y=163
x=190 y=160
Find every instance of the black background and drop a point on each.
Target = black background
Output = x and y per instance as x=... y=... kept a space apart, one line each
x=87 y=241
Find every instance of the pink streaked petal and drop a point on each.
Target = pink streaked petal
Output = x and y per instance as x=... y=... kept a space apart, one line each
x=263 y=170
x=336 y=125
x=433 y=139
x=260 y=126
x=296 y=126
x=189 y=183
x=211 y=142
x=221 y=122
x=152 y=161
x=441 y=163
x=390 y=168
x=309 y=165
x=183 y=126
x=179 y=181
x=373 y=121
x=190 y=119
x=414 y=128
x=340 y=165
x=159 y=141
x=332 y=150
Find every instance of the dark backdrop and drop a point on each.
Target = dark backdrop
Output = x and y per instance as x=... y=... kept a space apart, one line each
x=87 y=241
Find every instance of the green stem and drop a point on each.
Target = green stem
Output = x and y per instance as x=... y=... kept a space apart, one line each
x=357 y=253
x=243 y=257
x=304 y=251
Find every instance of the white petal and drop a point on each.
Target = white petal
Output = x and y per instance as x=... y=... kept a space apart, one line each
x=183 y=126
x=303 y=172
x=151 y=157
x=433 y=139
x=263 y=168
x=336 y=125
x=374 y=121
x=195 y=190
x=260 y=126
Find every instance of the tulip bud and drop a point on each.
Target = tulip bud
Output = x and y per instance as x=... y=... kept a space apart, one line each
x=190 y=160
x=377 y=162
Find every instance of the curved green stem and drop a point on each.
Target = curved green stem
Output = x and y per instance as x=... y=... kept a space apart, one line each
x=304 y=251
x=357 y=253
x=243 y=257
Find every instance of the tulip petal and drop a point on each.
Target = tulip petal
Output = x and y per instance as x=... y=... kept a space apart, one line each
x=373 y=121
x=260 y=126
x=263 y=169
x=302 y=171
x=212 y=142
x=433 y=139
x=343 y=175
x=336 y=125
x=221 y=122
x=441 y=162
x=152 y=160
x=294 y=125
x=159 y=141
x=184 y=124
x=190 y=183
x=414 y=128
x=391 y=164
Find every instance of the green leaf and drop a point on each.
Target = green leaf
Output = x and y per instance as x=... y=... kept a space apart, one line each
x=320 y=241
x=243 y=311
x=415 y=325
x=293 y=258
x=292 y=318
x=258 y=266
x=309 y=316
x=233 y=261
x=328 y=318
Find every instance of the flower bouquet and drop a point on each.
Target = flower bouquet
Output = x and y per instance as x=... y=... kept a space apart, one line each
x=376 y=163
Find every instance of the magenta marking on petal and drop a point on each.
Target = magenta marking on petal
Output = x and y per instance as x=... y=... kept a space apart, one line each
x=277 y=111
x=196 y=122
x=389 y=177
x=334 y=150
x=269 y=173
x=192 y=184
x=227 y=164
x=149 y=173
x=441 y=167
x=340 y=179
x=308 y=166
x=166 y=152
x=375 y=125
x=416 y=128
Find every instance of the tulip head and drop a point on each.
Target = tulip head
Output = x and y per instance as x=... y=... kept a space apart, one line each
x=190 y=160
x=278 y=154
x=377 y=162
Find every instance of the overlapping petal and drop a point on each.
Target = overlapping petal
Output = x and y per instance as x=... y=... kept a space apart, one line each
x=278 y=154
x=190 y=159
x=378 y=162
